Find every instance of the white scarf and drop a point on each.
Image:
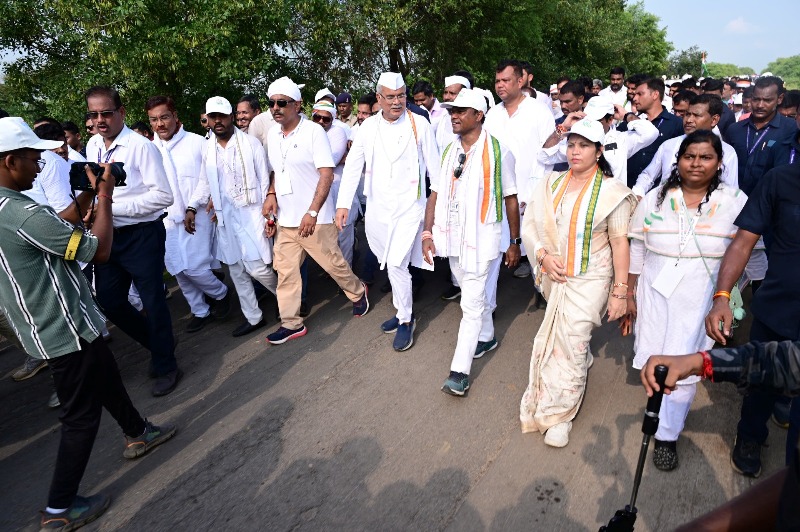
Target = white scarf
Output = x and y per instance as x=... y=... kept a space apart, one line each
x=242 y=189
x=177 y=211
x=483 y=199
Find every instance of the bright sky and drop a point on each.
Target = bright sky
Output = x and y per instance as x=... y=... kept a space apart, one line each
x=743 y=33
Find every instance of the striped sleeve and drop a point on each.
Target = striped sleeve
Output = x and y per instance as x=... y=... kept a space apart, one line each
x=44 y=230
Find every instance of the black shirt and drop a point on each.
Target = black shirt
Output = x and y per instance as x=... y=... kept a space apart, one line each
x=774 y=207
x=669 y=126
x=727 y=119
x=752 y=146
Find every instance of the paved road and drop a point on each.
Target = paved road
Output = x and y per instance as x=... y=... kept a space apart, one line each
x=336 y=431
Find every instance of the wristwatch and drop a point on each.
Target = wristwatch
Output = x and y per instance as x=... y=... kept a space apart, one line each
x=516 y=241
x=313 y=214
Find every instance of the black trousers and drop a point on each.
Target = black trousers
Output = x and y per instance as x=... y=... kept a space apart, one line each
x=137 y=255
x=86 y=382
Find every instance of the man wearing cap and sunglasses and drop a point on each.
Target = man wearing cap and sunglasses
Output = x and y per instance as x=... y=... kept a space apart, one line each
x=139 y=236
x=301 y=166
x=233 y=181
x=463 y=222
x=395 y=149
x=50 y=305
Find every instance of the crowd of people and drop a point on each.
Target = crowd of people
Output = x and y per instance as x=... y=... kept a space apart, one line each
x=649 y=205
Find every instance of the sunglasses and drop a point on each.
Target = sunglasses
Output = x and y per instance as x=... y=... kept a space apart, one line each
x=460 y=168
x=203 y=120
x=94 y=115
x=280 y=103
x=320 y=118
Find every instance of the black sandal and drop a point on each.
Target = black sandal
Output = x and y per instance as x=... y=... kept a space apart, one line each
x=665 y=455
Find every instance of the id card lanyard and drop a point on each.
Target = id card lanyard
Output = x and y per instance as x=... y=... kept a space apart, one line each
x=686 y=227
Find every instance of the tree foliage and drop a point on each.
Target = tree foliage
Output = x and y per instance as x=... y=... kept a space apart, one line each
x=787 y=68
x=193 y=49
x=727 y=70
x=689 y=61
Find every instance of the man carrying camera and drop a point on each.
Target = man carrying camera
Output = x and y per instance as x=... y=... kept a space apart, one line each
x=138 y=250
x=50 y=307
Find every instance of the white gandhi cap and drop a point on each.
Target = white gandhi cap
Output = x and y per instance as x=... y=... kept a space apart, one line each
x=284 y=86
x=453 y=80
x=390 y=80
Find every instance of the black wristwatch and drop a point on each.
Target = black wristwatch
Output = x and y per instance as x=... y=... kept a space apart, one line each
x=516 y=241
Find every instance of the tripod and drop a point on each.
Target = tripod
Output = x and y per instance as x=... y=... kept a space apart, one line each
x=624 y=519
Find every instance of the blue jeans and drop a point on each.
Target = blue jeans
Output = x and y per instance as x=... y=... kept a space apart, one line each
x=757 y=406
x=137 y=255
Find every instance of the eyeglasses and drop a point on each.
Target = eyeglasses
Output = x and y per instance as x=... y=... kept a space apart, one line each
x=323 y=119
x=157 y=119
x=280 y=103
x=94 y=115
x=460 y=168
x=393 y=97
x=39 y=162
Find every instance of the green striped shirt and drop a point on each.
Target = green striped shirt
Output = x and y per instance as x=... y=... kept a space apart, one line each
x=44 y=296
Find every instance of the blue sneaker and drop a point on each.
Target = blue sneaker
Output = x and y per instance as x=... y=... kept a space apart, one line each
x=456 y=384
x=484 y=347
x=361 y=306
x=283 y=335
x=404 y=337
x=389 y=326
x=83 y=510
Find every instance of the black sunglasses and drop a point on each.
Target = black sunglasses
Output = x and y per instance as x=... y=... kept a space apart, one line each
x=203 y=120
x=94 y=115
x=281 y=103
x=460 y=169
x=320 y=118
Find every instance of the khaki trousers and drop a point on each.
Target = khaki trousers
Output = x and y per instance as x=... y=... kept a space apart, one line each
x=290 y=251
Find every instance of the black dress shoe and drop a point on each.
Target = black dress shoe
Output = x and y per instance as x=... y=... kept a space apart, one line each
x=165 y=384
x=222 y=307
x=539 y=301
x=196 y=323
x=246 y=328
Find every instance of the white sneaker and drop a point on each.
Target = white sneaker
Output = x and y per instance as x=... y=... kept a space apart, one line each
x=523 y=270
x=558 y=435
x=590 y=357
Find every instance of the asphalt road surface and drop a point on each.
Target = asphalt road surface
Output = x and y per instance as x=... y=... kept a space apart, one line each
x=336 y=431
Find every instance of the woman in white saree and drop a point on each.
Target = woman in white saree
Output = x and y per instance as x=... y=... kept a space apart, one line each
x=578 y=230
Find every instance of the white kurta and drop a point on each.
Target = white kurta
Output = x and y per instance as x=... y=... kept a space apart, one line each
x=396 y=161
x=183 y=160
x=665 y=158
x=655 y=244
x=619 y=98
x=241 y=236
x=524 y=134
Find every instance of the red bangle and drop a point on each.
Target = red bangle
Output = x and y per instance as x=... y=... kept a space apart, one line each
x=106 y=196
x=708 y=367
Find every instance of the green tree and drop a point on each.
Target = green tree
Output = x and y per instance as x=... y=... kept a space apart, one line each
x=193 y=49
x=787 y=68
x=727 y=70
x=689 y=61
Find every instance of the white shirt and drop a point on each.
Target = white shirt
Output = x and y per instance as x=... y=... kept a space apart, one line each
x=619 y=146
x=444 y=132
x=548 y=102
x=260 y=125
x=619 y=98
x=147 y=192
x=296 y=160
x=337 y=137
x=437 y=113
x=51 y=186
x=665 y=157
x=524 y=134
x=75 y=156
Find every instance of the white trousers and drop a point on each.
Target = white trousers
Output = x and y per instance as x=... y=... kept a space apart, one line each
x=491 y=282
x=241 y=273
x=476 y=320
x=674 y=409
x=194 y=284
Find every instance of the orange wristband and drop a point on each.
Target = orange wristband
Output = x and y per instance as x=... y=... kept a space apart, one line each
x=722 y=293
